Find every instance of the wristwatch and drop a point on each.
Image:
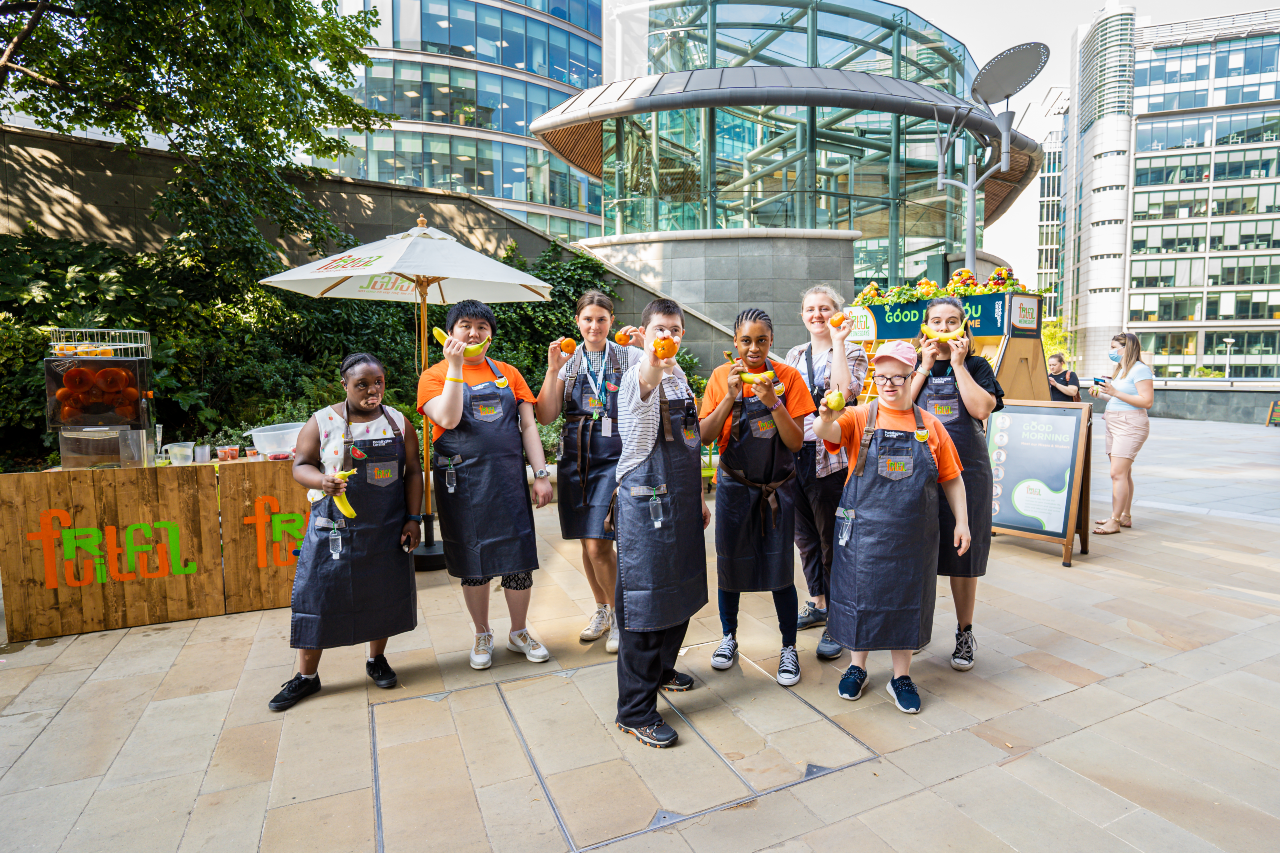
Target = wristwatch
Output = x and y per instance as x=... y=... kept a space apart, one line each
x=922 y=372
x=541 y=474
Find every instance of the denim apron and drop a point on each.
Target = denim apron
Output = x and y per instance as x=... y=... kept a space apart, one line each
x=941 y=398
x=885 y=572
x=354 y=582
x=755 y=501
x=486 y=516
x=588 y=459
x=662 y=557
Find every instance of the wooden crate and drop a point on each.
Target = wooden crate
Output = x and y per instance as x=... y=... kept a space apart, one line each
x=120 y=526
x=264 y=515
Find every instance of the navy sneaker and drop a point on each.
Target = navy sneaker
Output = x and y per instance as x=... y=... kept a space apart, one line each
x=904 y=693
x=855 y=678
x=828 y=649
x=810 y=616
x=659 y=736
x=677 y=683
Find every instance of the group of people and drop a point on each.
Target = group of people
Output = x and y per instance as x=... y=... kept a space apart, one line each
x=880 y=499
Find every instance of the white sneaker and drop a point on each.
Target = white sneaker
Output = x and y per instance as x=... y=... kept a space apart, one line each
x=482 y=651
x=597 y=626
x=611 y=644
x=520 y=641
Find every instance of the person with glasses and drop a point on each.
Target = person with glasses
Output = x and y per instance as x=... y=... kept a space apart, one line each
x=885 y=573
x=960 y=390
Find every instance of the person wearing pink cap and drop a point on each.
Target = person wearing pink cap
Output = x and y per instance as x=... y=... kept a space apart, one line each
x=884 y=575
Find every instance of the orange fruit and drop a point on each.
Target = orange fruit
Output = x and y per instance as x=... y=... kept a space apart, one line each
x=837 y=321
x=622 y=339
x=568 y=345
x=665 y=347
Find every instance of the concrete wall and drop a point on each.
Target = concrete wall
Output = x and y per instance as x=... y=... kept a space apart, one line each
x=81 y=189
x=1229 y=404
x=723 y=271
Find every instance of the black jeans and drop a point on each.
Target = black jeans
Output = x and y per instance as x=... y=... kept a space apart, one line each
x=645 y=660
x=816 y=501
x=785 y=603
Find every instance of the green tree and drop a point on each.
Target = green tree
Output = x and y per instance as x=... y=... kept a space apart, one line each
x=239 y=89
x=1055 y=339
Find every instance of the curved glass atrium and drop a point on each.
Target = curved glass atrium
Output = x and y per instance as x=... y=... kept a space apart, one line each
x=786 y=166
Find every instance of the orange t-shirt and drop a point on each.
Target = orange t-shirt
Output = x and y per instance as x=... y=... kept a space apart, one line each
x=431 y=384
x=798 y=403
x=853 y=421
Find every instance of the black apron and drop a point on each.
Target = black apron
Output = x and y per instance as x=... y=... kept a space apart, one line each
x=941 y=398
x=587 y=456
x=354 y=582
x=662 y=570
x=884 y=576
x=755 y=502
x=486 y=516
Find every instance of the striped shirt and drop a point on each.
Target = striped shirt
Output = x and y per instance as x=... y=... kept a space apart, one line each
x=829 y=463
x=639 y=420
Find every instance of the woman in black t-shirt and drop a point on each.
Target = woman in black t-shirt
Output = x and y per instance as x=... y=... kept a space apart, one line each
x=960 y=389
x=1064 y=386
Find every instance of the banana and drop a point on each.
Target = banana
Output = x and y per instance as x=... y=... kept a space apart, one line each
x=941 y=336
x=340 y=501
x=471 y=351
x=753 y=378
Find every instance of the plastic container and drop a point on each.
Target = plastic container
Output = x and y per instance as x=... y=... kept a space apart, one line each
x=181 y=452
x=276 y=441
x=102 y=447
x=203 y=453
x=228 y=452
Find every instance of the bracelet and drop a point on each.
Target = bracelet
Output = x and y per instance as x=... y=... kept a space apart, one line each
x=776 y=404
x=455 y=379
x=416 y=518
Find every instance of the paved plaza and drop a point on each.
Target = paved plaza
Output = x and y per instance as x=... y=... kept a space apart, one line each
x=1130 y=702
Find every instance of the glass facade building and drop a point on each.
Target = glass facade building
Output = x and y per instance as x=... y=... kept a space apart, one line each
x=463 y=80
x=1200 y=257
x=786 y=166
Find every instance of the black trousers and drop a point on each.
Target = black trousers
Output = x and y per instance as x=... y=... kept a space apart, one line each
x=816 y=501
x=645 y=660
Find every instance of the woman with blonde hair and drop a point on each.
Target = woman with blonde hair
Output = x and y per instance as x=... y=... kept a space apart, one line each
x=820 y=475
x=1129 y=393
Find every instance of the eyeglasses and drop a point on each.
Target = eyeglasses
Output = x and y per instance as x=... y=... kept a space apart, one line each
x=895 y=381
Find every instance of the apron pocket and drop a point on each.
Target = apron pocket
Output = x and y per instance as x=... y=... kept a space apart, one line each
x=382 y=473
x=945 y=409
x=764 y=426
x=895 y=467
x=692 y=434
x=486 y=407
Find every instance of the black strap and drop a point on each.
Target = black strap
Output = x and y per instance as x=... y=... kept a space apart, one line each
x=584 y=422
x=808 y=361
x=664 y=412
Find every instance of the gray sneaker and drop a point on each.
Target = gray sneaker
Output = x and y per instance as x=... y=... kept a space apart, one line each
x=810 y=616
x=828 y=649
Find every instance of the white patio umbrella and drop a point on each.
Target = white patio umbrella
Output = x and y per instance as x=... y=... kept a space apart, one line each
x=422 y=265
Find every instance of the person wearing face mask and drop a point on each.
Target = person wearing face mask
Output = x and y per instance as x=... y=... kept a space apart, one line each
x=354 y=582
x=819 y=474
x=1129 y=392
x=1064 y=386
x=584 y=385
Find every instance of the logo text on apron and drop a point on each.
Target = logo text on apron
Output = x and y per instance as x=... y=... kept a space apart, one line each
x=764 y=426
x=895 y=467
x=382 y=473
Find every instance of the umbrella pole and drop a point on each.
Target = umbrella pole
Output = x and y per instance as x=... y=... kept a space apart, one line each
x=426 y=424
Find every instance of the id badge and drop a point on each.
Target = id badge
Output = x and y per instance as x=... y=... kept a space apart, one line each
x=606 y=426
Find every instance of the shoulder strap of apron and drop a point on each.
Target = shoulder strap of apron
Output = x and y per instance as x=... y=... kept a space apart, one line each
x=347 y=441
x=922 y=434
x=571 y=374
x=664 y=412
x=395 y=430
x=867 y=433
x=612 y=349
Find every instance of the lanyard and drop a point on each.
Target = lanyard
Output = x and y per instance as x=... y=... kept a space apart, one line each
x=597 y=384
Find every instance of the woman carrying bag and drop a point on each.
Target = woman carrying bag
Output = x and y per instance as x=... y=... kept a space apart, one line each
x=355 y=580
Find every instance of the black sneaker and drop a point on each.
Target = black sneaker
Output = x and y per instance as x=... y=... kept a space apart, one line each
x=962 y=657
x=724 y=656
x=677 y=683
x=828 y=649
x=855 y=678
x=810 y=616
x=294 y=691
x=381 y=672
x=788 y=666
x=658 y=736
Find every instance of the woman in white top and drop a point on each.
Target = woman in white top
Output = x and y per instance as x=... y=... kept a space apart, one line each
x=1129 y=393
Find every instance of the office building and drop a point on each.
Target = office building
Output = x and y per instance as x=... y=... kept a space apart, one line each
x=1172 y=154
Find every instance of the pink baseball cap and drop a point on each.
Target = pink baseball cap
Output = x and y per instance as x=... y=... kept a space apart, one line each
x=897 y=350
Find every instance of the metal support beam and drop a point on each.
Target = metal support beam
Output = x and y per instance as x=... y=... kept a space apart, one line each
x=895 y=155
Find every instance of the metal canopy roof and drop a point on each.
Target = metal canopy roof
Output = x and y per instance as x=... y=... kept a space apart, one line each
x=573 y=129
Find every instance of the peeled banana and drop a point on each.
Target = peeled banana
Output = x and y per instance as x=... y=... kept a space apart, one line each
x=471 y=351
x=934 y=334
x=340 y=501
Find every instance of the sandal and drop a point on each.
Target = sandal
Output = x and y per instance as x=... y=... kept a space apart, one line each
x=1123 y=521
x=1101 y=529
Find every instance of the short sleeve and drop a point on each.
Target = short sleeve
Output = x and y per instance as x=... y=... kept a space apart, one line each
x=1140 y=371
x=717 y=387
x=980 y=369
x=519 y=387
x=431 y=383
x=945 y=454
x=563 y=373
x=799 y=402
x=851 y=422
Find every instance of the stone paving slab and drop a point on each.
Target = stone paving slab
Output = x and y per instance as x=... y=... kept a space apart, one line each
x=1129 y=702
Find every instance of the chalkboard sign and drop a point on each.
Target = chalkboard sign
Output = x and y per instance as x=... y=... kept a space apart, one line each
x=1039 y=457
x=1273 y=414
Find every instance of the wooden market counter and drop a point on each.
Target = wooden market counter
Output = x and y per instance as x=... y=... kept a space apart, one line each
x=91 y=550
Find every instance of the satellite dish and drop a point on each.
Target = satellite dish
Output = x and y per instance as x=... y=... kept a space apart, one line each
x=1010 y=72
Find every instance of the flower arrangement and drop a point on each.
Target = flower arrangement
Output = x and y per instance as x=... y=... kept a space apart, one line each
x=962 y=283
